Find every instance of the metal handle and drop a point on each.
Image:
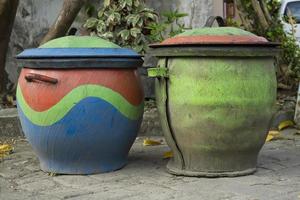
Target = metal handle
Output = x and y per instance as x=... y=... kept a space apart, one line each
x=158 y=72
x=211 y=19
x=31 y=77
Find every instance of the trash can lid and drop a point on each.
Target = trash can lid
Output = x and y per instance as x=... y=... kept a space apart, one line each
x=80 y=52
x=214 y=36
x=78 y=46
x=215 y=42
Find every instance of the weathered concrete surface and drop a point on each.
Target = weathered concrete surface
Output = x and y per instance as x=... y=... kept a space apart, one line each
x=198 y=11
x=277 y=178
x=9 y=123
x=151 y=124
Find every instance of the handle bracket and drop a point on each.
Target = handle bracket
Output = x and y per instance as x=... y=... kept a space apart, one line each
x=158 y=72
x=211 y=19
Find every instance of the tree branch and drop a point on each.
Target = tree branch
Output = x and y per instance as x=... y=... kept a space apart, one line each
x=266 y=11
x=245 y=21
x=259 y=13
x=64 y=20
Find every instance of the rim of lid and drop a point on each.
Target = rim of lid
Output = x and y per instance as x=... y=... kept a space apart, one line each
x=215 y=36
x=79 y=52
x=78 y=47
x=70 y=53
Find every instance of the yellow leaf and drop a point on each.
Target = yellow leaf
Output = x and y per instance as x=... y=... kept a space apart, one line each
x=272 y=135
x=285 y=124
x=52 y=174
x=5 y=149
x=168 y=154
x=148 y=142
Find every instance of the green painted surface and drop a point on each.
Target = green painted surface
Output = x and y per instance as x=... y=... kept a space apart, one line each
x=220 y=110
x=215 y=31
x=158 y=72
x=60 y=109
x=79 y=42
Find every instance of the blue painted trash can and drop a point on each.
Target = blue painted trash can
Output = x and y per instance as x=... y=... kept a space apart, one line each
x=80 y=102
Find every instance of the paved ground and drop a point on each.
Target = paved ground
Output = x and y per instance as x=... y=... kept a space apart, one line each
x=277 y=178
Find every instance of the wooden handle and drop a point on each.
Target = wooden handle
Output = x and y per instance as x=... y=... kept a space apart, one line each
x=31 y=77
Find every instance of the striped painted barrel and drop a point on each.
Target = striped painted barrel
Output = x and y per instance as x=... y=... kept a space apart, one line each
x=80 y=119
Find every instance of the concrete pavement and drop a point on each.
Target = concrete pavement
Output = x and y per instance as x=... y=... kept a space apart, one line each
x=145 y=177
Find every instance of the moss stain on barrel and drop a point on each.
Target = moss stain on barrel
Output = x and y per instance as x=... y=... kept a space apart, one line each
x=222 y=84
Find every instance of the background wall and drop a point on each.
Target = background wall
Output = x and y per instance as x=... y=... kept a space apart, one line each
x=31 y=23
x=34 y=17
x=198 y=10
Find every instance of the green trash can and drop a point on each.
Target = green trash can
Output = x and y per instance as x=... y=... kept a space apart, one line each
x=215 y=92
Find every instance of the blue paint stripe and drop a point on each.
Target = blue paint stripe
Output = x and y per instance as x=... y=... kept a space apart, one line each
x=93 y=137
x=78 y=53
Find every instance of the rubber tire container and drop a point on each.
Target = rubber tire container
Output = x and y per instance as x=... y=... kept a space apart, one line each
x=216 y=94
x=80 y=102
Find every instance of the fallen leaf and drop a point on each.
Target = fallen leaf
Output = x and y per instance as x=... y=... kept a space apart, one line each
x=5 y=149
x=148 y=142
x=168 y=154
x=52 y=174
x=285 y=124
x=273 y=135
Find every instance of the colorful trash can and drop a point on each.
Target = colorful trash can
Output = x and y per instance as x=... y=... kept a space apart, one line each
x=215 y=92
x=80 y=102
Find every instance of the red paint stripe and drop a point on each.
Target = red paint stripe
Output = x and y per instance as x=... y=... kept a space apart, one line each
x=213 y=39
x=41 y=96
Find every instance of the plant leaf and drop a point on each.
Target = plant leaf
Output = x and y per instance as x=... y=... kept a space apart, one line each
x=136 y=3
x=5 y=149
x=91 y=22
x=135 y=20
x=168 y=154
x=106 y=3
x=100 y=13
x=129 y=2
x=101 y=26
x=135 y=31
x=124 y=34
x=272 y=135
x=107 y=35
x=150 y=15
x=285 y=124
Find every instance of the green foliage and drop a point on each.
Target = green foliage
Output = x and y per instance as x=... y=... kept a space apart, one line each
x=123 y=22
x=290 y=55
x=169 y=27
x=275 y=28
x=129 y=23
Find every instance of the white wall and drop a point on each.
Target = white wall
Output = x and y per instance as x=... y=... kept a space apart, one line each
x=198 y=10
